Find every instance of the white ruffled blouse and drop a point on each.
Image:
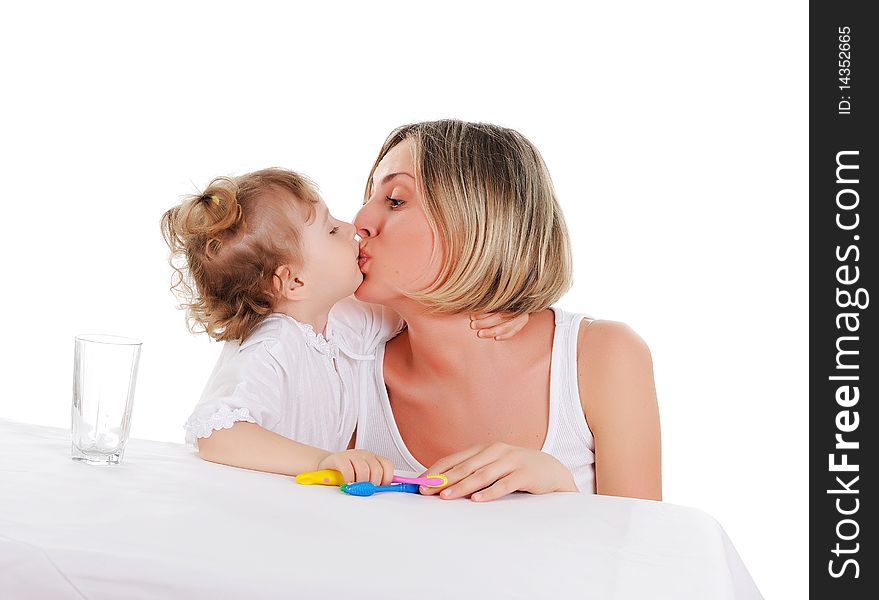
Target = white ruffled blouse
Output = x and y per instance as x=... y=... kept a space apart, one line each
x=291 y=380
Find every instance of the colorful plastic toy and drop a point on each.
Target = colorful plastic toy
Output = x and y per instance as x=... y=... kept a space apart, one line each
x=333 y=477
x=431 y=481
x=366 y=488
x=325 y=477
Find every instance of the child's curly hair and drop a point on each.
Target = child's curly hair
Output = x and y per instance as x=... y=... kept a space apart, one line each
x=228 y=242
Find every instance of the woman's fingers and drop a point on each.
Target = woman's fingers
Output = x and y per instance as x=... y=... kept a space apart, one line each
x=500 y=469
x=452 y=460
x=478 y=480
x=501 y=487
x=444 y=465
x=464 y=469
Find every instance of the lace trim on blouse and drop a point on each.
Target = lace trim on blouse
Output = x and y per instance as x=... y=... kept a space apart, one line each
x=224 y=418
x=327 y=347
x=317 y=340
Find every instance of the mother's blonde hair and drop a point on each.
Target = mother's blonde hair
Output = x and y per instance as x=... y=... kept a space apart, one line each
x=489 y=199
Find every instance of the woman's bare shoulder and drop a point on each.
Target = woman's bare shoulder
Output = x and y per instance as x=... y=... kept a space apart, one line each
x=601 y=336
x=614 y=367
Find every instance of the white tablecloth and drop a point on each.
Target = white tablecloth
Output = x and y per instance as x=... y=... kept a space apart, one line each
x=166 y=524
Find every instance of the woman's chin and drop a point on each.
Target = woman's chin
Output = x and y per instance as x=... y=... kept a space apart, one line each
x=361 y=293
x=367 y=293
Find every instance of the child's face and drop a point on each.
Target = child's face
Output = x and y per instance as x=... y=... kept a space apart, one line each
x=329 y=253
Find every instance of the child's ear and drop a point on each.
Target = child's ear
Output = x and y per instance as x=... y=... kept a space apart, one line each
x=285 y=283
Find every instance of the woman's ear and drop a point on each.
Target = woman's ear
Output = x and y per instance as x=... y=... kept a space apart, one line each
x=285 y=283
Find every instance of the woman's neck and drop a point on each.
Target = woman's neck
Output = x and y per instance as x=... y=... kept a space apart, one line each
x=444 y=346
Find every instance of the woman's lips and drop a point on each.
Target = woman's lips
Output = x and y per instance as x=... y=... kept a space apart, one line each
x=362 y=258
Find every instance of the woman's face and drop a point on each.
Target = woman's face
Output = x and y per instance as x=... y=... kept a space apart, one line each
x=396 y=238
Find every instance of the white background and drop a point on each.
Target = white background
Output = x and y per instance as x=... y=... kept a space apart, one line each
x=676 y=136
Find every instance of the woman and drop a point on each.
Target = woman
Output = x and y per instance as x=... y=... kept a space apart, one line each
x=461 y=218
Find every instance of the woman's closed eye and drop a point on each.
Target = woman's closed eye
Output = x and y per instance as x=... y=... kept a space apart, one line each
x=394 y=203
x=334 y=230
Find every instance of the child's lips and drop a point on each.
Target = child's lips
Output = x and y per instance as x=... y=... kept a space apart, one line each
x=362 y=258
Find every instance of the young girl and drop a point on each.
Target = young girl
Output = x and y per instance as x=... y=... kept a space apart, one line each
x=264 y=267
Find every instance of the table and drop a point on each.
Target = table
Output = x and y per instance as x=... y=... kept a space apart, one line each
x=166 y=524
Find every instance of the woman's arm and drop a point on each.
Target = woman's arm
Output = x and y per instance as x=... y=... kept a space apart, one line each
x=618 y=396
x=249 y=446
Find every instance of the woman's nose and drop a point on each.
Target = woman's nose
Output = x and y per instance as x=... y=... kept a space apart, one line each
x=362 y=223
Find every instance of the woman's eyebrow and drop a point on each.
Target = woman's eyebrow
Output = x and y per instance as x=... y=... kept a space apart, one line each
x=390 y=176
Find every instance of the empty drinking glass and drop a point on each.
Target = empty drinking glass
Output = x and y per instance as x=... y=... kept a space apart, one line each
x=104 y=374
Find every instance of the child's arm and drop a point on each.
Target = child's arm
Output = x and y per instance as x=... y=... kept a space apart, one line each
x=249 y=446
x=366 y=325
x=236 y=420
x=500 y=326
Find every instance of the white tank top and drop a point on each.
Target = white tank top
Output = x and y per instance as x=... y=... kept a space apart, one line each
x=568 y=437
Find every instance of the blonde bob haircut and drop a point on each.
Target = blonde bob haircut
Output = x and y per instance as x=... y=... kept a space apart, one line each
x=491 y=206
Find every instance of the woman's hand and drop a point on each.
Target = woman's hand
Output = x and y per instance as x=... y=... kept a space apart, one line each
x=489 y=472
x=360 y=465
x=497 y=325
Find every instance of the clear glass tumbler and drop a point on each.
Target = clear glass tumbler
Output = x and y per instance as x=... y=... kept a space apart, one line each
x=104 y=374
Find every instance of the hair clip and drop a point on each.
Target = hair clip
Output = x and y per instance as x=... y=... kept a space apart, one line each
x=215 y=200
